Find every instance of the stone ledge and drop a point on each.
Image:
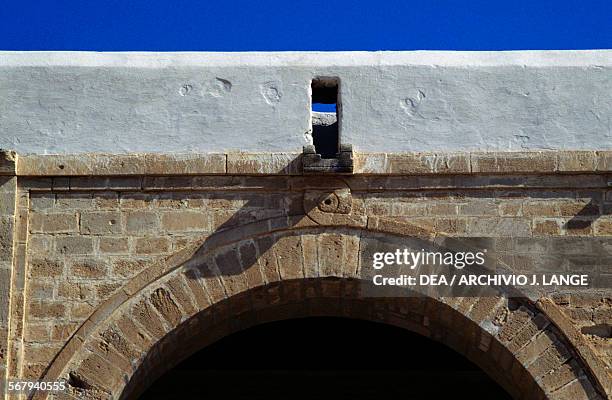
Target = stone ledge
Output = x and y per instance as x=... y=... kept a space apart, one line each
x=269 y=163
x=95 y=164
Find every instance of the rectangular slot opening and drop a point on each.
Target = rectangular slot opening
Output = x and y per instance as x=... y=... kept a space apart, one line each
x=325 y=116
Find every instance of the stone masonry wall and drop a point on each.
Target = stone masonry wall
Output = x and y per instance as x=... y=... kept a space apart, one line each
x=89 y=237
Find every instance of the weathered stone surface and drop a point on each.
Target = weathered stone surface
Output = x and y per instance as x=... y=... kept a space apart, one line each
x=7 y=162
x=514 y=162
x=187 y=221
x=144 y=314
x=161 y=300
x=578 y=389
x=74 y=245
x=99 y=372
x=577 y=160
x=89 y=268
x=152 y=245
x=141 y=222
x=113 y=245
x=428 y=163
x=189 y=251
x=516 y=322
x=53 y=223
x=101 y=223
x=289 y=257
x=45 y=268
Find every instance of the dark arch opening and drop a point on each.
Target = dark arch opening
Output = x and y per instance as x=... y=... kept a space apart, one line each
x=325 y=358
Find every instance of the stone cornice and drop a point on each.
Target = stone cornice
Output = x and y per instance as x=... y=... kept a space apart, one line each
x=440 y=163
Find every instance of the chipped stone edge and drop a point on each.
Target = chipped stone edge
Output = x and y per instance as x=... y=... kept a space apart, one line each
x=268 y=163
x=8 y=161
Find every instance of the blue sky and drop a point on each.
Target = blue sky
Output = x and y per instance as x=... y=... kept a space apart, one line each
x=261 y=25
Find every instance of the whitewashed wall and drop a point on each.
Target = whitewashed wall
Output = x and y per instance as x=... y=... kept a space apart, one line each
x=74 y=102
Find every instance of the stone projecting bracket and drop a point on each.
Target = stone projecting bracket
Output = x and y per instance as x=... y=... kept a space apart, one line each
x=314 y=163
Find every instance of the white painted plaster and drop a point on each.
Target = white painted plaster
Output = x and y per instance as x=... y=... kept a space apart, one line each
x=74 y=102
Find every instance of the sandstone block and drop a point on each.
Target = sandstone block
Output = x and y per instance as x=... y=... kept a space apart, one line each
x=267 y=259
x=38 y=332
x=528 y=333
x=141 y=222
x=73 y=201
x=250 y=265
x=74 y=291
x=191 y=278
x=208 y=163
x=113 y=245
x=310 y=256
x=105 y=200
x=134 y=200
x=7 y=203
x=42 y=201
x=144 y=314
x=180 y=294
x=185 y=221
x=423 y=163
x=510 y=208
x=62 y=332
x=36 y=290
x=499 y=227
x=41 y=245
x=560 y=377
x=133 y=334
x=370 y=163
x=163 y=302
x=105 y=290
x=442 y=209
x=546 y=227
x=42 y=353
x=53 y=223
x=80 y=311
x=485 y=207
x=89 y=268
x=330 y=250
x=230 y=270
x=7 y=162
x=578 y=389
x=6 y=238
x=552 y=358
x=99 y=373
x=263 y=163
x=152 y=245
x=603 y=226
x=116 y=339
x=100 y=223
x=128 y=267
x=289 y=257
x=47 y=310
x=74 y=245
x=515 y=324
x=45 y=268
x=577 y=161
x=572 y=208
x=507 y=162
x=540 y=208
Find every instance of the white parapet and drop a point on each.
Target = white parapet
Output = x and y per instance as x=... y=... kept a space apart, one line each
x=75 y=102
